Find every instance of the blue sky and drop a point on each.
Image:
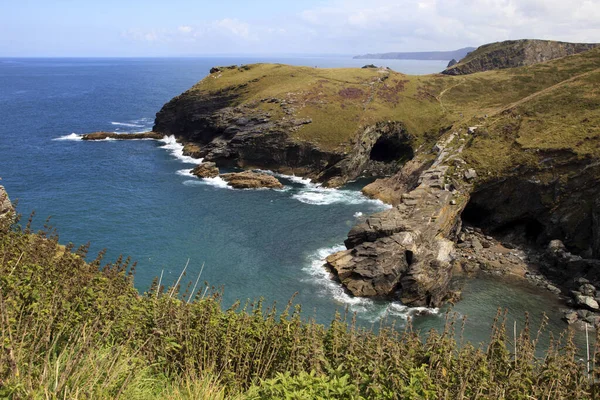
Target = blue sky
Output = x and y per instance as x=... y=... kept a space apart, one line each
x=197 y=27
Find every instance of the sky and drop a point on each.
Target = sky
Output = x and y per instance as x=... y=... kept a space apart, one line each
x=137 y=28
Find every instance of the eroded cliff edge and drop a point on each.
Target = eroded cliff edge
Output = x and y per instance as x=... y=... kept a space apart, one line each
x=513 y=152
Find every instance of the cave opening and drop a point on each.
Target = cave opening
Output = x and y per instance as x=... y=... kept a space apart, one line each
x=519 y=229
x=391 y=148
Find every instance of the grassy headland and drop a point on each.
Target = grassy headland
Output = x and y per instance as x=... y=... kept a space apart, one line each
x=547 y=106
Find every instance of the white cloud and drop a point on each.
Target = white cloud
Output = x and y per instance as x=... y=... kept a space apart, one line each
x=185 y=29
x=356 y=26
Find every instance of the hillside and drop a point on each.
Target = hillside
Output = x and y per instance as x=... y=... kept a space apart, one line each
x=512 y=150
x=419 y=55
x=72 y=329
x=515 y=53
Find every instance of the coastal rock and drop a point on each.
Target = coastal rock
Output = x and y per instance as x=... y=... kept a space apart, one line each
x=6 y=210
x=192 y=150
x=206 y=170
x=121 y=136
x=514 y=53
x=587 y=301
x=251 y=180
x=404 y=252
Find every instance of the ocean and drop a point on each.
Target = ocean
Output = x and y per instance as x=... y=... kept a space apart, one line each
x=138 y=198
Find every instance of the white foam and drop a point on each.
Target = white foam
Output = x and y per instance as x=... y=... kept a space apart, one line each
x=358 y=214
x=365 y=308
x=217 y=182
x=186 y=172
x=317 y=195
x=72 y=136
x=176 y=150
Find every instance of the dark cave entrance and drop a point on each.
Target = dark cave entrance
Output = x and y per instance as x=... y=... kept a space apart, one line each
x=391 y=148
x=523 y=229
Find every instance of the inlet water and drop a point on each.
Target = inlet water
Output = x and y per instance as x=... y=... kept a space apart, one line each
x=139 y=199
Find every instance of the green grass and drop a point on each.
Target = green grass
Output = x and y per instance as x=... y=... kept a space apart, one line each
x=521 y=111
x=77 y=330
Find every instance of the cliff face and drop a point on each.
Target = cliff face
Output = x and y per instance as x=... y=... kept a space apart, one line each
x=514 y=152
x=515 y=53
x=311 y=124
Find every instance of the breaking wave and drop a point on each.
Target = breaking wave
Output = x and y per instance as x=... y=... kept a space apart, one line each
x=217 y=182
x=176 y=150
x=72 y=136
x=367 y=309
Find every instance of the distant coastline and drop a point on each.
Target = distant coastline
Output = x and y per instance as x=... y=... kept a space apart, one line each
x=419 y=55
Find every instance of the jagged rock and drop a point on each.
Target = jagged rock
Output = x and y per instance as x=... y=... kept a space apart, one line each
x=251 y=180
x=476 y=244
x=192 y=150
x=404 y=251
x=470 y=174
x=556 y=246
x=587 y=289
x=587 y=301
x=452 y=63
x=570 y=316
x=6 y=210
x=553 y=289
x=206 y=170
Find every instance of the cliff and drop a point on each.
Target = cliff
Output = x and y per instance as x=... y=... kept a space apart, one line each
x=513 y=151
x=515 y=53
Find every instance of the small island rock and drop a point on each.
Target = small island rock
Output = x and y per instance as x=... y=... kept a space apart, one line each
x=206 y=170
x=252 y=180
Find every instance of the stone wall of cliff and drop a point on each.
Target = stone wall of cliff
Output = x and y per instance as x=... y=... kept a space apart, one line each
x=515 y=53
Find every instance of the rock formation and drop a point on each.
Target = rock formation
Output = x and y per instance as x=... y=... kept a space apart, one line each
x=514 y=53
x=121 y=136
x=206 y=170
x=406 y=252
x=251 y=180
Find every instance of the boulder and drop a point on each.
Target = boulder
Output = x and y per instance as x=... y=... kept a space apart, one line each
x=206 y=170
x=587 y=301
x=570 y=316
x=192 y=150
x=252 y=180
x=587 y=289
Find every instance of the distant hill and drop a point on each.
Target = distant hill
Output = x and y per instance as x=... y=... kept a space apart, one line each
x=515 y=53
x=419 y=55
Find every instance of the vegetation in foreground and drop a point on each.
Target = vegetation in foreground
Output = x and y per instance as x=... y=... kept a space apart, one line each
x=76 y=330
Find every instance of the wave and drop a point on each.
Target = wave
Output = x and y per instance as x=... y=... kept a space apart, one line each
x=217 y=182
x=176 y=150
x=367 y=309
x=358 y=215
x=72 y=136
x=186 y=172
x=316 y=194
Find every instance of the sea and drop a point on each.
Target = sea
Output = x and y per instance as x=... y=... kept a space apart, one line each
x=138 y=198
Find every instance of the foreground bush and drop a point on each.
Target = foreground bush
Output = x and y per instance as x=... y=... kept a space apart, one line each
x=77 y=330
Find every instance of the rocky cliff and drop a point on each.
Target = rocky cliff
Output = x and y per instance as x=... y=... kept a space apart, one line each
x=514 y=53
x=513 y=152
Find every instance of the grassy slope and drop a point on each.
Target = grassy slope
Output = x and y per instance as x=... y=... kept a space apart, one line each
x=69 y=329
x=554 y=103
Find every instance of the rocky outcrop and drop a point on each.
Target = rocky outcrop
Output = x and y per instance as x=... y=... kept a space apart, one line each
x=514 y=53
x=206 y=170
x=121 y=136
x=251 y=180
x=406 y=252
x=244 y=134
x=6 y=211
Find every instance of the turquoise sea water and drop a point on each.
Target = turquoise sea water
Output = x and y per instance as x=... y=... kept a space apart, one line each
x=138 y=198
